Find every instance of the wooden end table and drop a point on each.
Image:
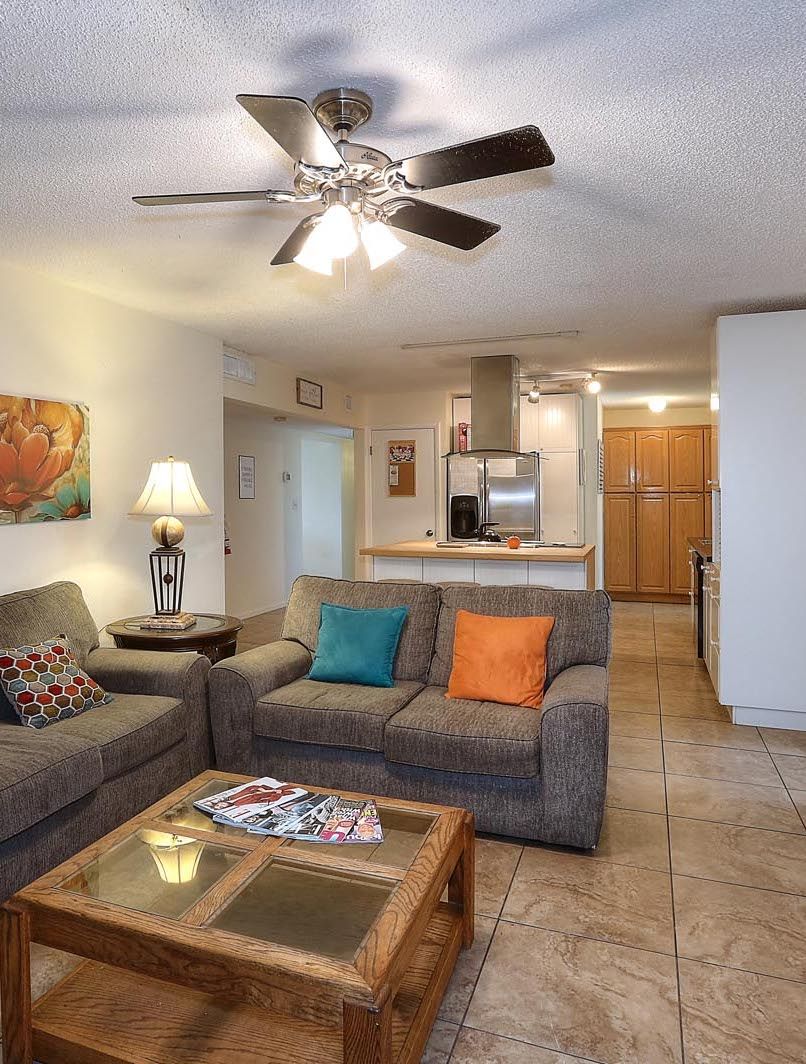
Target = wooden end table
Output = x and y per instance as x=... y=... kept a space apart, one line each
x=205 y=943
x=213 y=634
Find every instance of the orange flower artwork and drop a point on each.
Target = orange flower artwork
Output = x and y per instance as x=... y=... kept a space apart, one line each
x=44 y=460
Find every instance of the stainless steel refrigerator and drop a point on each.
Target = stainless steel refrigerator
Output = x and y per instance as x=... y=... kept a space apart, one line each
x=504 y=492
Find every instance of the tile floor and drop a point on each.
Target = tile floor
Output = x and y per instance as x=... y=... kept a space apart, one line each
x=683 y=936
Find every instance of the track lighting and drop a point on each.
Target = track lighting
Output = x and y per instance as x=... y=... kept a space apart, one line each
x=534 y=393
x=592 y=386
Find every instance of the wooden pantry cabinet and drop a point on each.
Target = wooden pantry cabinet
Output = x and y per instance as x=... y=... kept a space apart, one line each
x=655 y=499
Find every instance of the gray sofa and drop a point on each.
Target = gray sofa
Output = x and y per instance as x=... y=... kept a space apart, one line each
x=63 y=786
x=536 y=774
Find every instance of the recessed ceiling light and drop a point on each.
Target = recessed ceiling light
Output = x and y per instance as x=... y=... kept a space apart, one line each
x=657 y=404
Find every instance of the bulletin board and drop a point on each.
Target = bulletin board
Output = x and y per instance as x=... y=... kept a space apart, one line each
x=402 y=475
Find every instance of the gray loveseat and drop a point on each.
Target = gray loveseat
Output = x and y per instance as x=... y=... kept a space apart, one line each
x=63 y=786
x=537 y=774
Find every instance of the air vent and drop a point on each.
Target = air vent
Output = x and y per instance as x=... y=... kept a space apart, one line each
x=237 y=367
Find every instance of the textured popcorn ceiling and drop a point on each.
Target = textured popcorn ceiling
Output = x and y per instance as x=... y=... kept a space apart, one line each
x=678 y=191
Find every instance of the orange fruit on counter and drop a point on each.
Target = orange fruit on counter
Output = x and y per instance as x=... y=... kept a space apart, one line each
x=514 y=542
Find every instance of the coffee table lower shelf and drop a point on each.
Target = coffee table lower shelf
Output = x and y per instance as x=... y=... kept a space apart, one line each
x=104 y=1015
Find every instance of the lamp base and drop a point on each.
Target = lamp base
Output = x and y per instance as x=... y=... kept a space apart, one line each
x=167 y=579
x=168 y=531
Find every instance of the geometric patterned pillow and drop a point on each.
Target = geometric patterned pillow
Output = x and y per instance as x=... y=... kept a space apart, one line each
x=45 y=684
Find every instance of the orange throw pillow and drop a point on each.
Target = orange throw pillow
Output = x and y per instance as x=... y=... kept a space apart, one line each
x=500 y=659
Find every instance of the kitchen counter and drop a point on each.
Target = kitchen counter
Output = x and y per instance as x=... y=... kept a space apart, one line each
x=572 y=568
x=703 y=547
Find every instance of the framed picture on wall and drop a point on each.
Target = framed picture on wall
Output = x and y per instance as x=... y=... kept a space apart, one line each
x=246 y=476
x=309 y=393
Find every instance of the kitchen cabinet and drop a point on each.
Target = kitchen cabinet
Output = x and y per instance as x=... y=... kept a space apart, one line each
x=652 y=543
x=530 y=425
x=619 y=542
x=710 y=591
x=708 y=521
x=706 y=459
x=652 y=460
x=619 y=460
x=686 y=516
x=686 y=458
x=558 y=421
x=559 y=497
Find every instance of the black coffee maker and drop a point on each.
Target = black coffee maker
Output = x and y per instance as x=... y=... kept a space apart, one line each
x=464 y=516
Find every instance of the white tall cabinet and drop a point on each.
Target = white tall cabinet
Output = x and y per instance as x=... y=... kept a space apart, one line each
x=759 y=577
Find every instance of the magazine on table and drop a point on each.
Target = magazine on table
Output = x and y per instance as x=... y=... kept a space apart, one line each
x=267 y=806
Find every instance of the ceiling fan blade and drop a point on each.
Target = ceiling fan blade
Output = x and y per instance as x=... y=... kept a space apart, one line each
x=203 y=197
x=292 y=247
x=519 y=149
x=292 y=124
x=438 y=223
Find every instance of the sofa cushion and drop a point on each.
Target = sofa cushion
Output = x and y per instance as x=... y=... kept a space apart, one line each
x=41 y=772
x=28 y=617
x=459 y=735
x=129 y=731
x=581 y=633
x=417 y=639
x=344 y=714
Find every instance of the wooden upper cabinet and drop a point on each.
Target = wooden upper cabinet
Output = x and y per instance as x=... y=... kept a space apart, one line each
x=686 y=460
x=652 y=528
x=686 y=519
x=652 y=460
x=706 y=459
x=619 y=460
x=619 y=542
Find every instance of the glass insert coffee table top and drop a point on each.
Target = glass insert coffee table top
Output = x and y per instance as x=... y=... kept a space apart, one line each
x=154 y=872
x=185 y=815
x=404 y=832
x=307 y=908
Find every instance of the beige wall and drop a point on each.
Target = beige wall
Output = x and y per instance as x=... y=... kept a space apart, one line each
x=153 y=388
x=638 y=417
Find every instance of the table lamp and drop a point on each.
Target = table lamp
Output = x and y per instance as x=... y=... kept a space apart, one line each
x=170 y=493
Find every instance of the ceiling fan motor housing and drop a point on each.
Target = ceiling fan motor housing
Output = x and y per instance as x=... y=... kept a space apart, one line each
x=342 y=110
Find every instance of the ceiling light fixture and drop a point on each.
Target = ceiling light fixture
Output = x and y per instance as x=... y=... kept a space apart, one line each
x=380 y=243
x=715 y=400
x=592 y=386
x=657 y=404
x=534 y=393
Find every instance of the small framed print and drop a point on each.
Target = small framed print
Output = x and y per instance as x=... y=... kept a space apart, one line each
x=402 y=464
x=246 y=476
x=309 y=393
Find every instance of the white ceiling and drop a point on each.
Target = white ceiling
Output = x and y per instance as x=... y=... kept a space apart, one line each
x=678 y=191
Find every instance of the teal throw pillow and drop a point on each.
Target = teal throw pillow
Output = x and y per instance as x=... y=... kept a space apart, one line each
x=357 y=646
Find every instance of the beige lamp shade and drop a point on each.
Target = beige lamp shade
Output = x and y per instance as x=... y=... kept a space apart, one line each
x=171 y=491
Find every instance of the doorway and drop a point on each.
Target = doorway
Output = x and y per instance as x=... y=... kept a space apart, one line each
x=410 y=514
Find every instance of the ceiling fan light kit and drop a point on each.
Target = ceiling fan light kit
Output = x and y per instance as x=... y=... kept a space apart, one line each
x=361 y=189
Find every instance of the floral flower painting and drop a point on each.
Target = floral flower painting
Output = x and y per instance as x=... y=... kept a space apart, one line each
x=44 y=460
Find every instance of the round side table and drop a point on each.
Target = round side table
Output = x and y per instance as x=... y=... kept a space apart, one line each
x=213 y=634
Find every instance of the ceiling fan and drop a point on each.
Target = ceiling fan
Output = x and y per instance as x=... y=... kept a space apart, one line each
x=360 y=190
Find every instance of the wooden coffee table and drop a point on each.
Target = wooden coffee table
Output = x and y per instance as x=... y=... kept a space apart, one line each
x=206 y=944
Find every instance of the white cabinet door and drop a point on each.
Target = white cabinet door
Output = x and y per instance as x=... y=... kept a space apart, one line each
x=497 y=573
x=559 y=497
x=530 y=425
x=437 y=570
x=397 y=569
x=559 y=422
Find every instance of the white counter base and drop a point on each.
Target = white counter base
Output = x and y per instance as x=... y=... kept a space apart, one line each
x=566 y=576
x=769 y=718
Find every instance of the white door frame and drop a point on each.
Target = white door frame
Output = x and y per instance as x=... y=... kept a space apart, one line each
x=440 y=475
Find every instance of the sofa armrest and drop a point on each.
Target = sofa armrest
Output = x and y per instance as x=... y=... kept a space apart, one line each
x=237 y=683
x=573 y=754
x=173 y=675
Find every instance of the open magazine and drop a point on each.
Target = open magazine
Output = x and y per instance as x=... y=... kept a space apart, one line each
x=268 y=806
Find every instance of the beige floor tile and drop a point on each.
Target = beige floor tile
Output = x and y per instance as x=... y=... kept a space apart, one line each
x=792 y=769
x=781 y=741
x=440 y=1044
x=711 y=733
x=720 y=763
x=495 y=866
x=632 y=652
x=732 y=1017
x=702 y=710
x=479 y=1047
x=633 y=609
x=741 y=927
x=629 y=788
x=466 y=972
x=687 y=692
x=633 y=686
x=626 y=751
x=732 y=803
x=578 y=996
x=799 y=798
x=566 y=892
x=633 y=838
x=641 y=725
x=750 y=857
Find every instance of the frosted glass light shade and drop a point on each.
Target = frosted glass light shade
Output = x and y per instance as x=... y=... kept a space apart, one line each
x=171 y=491
x=380 y=243
x=333 y=237
x=314 y=259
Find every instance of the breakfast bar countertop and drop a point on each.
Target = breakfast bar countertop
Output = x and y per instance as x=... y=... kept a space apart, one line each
x=427 y=548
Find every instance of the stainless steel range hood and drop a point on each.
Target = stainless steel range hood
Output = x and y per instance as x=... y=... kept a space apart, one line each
x=495 y=407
